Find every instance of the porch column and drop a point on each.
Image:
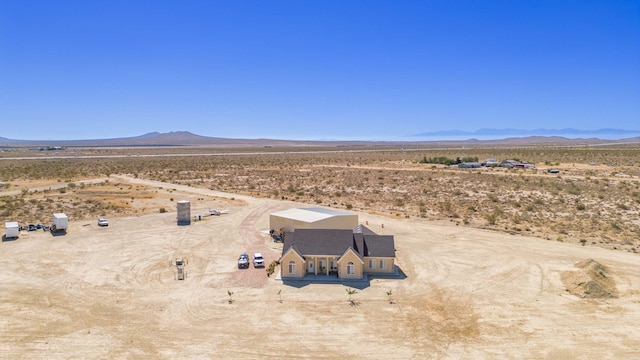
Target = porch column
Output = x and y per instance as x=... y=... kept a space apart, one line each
x=327 y=265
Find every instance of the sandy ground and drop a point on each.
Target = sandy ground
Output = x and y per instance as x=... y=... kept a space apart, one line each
x=97 y=293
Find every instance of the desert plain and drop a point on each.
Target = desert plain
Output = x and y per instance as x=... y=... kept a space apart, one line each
x=493 y=260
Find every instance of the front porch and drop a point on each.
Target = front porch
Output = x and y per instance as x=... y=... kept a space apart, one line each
x=322 y=266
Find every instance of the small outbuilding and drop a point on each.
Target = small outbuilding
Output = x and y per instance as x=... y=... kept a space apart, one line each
x=60 y=222
x=184 y=212
x=12 y=229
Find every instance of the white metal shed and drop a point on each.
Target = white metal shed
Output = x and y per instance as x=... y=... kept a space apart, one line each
x=12 y=229
x=60 y=221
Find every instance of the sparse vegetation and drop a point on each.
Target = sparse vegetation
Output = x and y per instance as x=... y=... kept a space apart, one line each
x=351 y=292
x=381 y=181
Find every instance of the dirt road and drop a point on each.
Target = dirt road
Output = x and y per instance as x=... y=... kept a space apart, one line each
x=111 y=292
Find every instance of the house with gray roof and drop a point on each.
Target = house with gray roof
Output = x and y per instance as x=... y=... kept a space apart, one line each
x=346 y=254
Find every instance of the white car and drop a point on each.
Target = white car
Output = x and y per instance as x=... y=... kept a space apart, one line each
x=258 y=260
x=103 y=222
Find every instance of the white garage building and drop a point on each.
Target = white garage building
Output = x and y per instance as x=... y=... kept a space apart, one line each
x=312 y=218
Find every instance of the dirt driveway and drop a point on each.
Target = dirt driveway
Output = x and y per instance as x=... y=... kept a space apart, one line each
x=111 y=292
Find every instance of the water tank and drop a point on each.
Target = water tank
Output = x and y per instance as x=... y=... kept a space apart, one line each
x=184 y=212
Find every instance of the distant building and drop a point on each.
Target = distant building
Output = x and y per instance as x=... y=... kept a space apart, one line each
x=469 y=165
x=517 y=164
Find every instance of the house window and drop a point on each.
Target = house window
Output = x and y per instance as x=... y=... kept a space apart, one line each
x=334 y=265
x=292 y=267
x=351 y=268
x=372 y=264
x=383 y=264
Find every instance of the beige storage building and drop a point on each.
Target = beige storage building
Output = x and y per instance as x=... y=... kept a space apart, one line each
x=312 y=218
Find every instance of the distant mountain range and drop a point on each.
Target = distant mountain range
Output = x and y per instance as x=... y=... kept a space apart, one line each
x=445 y=138
x=568 y=132
x=152 y=138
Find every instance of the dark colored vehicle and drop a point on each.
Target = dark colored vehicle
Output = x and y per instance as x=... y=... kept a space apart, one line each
x=31 y=227
x=243 y=261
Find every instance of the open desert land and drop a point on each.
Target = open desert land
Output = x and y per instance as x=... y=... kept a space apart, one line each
x=488 y=274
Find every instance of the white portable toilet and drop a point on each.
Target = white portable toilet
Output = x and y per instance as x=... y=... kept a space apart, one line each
x=184 y=212
x=12 y=229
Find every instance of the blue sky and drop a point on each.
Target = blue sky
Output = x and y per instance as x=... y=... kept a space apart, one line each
x=315 y=69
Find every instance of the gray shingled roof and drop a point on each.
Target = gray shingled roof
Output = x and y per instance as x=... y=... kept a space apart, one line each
x=334 y=242
x=379 y=246
x=331 y=242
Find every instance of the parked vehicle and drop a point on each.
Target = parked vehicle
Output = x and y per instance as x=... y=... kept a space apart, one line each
x=103 y=222
x=243 y=261
x=258 y=260
x=31 y=227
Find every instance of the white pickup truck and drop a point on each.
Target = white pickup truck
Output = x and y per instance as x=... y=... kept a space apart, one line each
x=258 y=260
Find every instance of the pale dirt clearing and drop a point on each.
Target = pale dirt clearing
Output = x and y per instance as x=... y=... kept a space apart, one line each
x=110 y=292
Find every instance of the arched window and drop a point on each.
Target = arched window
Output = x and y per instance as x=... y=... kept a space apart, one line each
x=351 y=268
x=292 y=267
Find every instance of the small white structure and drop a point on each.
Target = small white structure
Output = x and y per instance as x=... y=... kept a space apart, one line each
x=12 y=229
x=60 y=222
x=184 y=212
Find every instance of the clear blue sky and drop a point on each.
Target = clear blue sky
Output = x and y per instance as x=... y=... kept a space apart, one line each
x=331 y=69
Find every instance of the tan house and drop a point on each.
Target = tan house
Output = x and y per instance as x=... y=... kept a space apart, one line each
x=346 y=254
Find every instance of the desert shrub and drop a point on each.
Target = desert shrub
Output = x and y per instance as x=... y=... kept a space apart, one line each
x=622 y=206
x=491 y=218
x=438 y=160
x=616 y=227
